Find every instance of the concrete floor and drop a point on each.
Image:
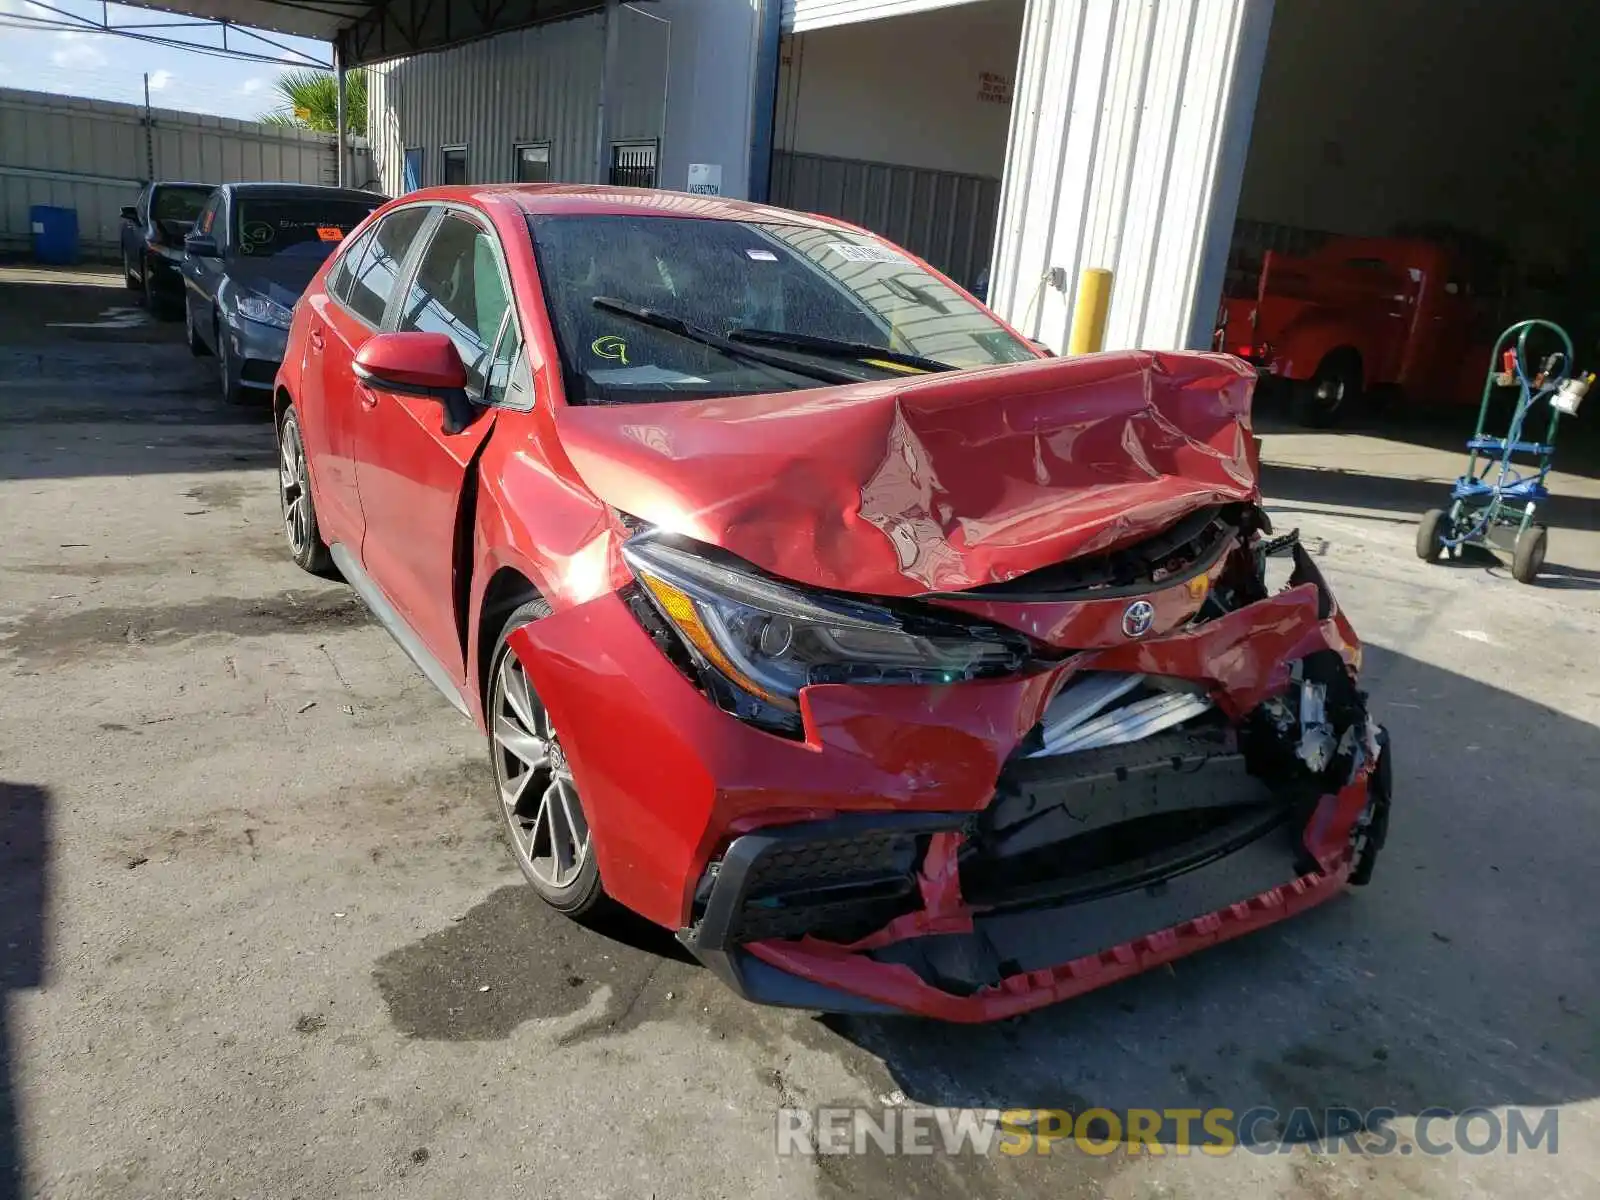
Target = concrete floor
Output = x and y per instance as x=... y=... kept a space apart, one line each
x=261 y=938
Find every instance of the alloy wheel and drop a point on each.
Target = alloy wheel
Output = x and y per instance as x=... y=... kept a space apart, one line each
x=1330 y=394
x=548 y=829
x=292 y=489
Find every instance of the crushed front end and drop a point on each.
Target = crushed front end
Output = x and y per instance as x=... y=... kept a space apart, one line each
x=1189 y=759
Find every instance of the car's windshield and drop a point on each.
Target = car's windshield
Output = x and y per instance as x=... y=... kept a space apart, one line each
x=180 y=203
x=302 y=227
x=749 y=280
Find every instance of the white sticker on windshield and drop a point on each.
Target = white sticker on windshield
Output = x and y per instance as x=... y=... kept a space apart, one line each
x=762 y=255
x=851 y=252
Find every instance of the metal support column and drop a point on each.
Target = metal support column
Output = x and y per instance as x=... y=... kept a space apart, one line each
x=608 y=65
x=341 y=131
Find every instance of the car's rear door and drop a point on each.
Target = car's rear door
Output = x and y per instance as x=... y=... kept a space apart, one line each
x=338 y=326
x=411 y=474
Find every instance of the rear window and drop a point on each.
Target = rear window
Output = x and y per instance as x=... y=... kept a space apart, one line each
x=180 y=203
x=302 y=227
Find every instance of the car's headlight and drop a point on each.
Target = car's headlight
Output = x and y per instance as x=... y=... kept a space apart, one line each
x=768 y=639
x=264 y=311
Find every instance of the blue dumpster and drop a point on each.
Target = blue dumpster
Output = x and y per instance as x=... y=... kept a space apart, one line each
x=55 y=234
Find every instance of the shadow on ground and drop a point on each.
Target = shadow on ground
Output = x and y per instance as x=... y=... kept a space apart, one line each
x=90 y=384
x=1436 y=427
x=1463 y=976
x=24 y=909
x=1403 y=501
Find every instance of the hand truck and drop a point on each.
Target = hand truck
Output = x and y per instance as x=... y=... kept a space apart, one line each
x=1494 y=503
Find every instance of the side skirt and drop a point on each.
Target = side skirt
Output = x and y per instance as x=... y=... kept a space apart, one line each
x=402 y=633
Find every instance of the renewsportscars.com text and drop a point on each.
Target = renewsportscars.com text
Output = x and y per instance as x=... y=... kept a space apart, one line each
x=1153 y=1131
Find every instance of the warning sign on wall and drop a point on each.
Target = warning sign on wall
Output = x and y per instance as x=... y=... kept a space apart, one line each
x=705 y=179
x=993 y=88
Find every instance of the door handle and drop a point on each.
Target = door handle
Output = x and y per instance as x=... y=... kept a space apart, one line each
x=315 y=337
x=368 y=397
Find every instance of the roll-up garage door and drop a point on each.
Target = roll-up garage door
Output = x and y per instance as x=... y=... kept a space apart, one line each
x=801 y=15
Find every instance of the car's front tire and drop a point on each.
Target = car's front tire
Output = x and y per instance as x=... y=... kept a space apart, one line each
x=306 y=547
x=537 y=798
x=233 y=392
x=157 y=305
x=197 y=346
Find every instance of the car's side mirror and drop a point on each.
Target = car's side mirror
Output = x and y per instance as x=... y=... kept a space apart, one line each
x=1042 y=348
x=418 y=364
x=201 y=246
x=130 y=213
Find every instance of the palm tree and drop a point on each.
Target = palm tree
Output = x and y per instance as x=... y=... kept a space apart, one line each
x=308 y=99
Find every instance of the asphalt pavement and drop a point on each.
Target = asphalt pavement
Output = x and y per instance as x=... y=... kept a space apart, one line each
x=260 y=936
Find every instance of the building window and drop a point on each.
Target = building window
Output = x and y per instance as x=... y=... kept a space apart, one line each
x=533 y=163
x=633 y=164
x=454 y=163
x=412 y=170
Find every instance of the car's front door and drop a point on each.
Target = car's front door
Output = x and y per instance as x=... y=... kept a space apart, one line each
x=409 y=471
x=201 y=274
x=133 y=235
x=339 y=325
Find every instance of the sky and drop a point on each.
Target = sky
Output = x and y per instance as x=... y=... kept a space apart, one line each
x=107 y=67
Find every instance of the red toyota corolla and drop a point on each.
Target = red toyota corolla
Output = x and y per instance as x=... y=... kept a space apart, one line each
x=812 y=613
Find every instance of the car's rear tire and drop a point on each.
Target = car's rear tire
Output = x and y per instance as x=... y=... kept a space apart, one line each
x=1323 y=400
x=157 y=305
x=306 y=547
x=537 y=798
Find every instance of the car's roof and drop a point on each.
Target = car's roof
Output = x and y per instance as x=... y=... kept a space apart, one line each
x=183 y=183
x=570 y=199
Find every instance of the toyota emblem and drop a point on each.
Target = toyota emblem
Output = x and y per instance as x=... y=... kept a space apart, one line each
x=1138 y=618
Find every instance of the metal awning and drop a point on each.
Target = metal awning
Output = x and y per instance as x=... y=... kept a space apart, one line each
x=369 y=31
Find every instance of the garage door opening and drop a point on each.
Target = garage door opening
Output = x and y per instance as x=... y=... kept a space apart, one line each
x=1448 y=125
x=899 y=125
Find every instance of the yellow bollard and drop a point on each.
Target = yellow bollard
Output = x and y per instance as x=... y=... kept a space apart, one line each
x=1094 y=306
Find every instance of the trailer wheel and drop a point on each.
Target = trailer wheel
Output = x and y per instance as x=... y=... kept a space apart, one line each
x=1322 y=400
x=1528 y=558
x=1430 y=535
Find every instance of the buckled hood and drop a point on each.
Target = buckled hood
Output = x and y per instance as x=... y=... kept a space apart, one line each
x=936 y=483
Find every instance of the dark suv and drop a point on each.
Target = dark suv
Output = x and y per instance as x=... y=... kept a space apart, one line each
x=153 y=229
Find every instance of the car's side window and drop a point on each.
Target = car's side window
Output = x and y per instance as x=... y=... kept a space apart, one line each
x=507 y=382
x=346 y=266
x=142 y=204
x=208 y=215
x=460 y=291
x=378 y=274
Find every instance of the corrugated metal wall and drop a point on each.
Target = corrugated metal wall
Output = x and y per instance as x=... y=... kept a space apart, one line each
x=91 y=155
x=1127 y=146
x=533 y=85
x=945 y=218
x=800 y=15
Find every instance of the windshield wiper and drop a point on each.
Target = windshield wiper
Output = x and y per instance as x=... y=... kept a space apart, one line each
x=677 y=325
x=835 y=348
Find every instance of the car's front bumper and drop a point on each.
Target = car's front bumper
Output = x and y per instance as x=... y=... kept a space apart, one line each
x=255 y=352
x=855 y=870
